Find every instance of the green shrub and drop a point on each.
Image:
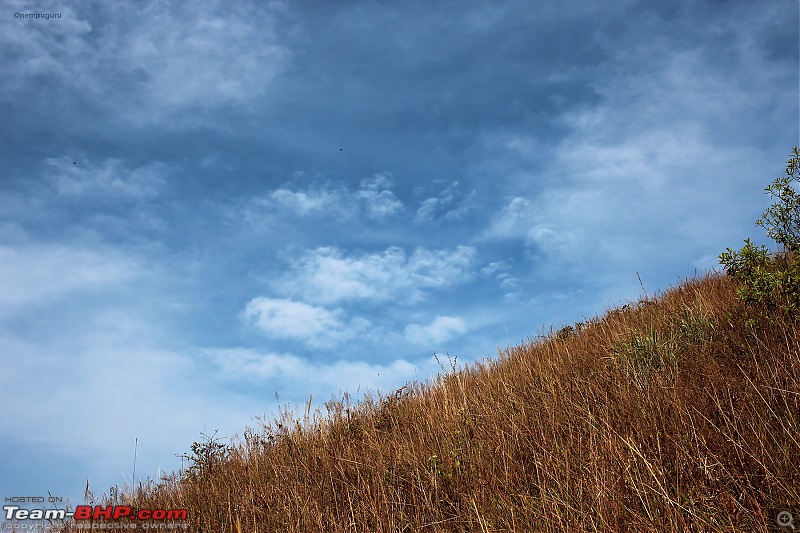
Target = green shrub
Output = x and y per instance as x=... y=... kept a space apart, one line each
x=782 y=219
x=642 y=353
x=771 y=283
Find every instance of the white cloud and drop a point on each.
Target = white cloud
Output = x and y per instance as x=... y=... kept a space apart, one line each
x=439 y=206
x=492 y=268
x=378 y=200
x=457 y=213
x=195 y=57
x=662 y=152
x=441 y=268
x=315 y=326
x=605 y=189
x=427 y=210
x=373 y=200
x=244 y=363
x=150 y=61
x=324 y=378
x=326 y=275
x=311 y=201
x=286 y=318
x=38 y=273
x=499 y=270
x=511 y=222
x=441 y=329
x=532 y=223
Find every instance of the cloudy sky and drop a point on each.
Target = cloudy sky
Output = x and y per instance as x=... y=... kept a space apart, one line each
x=211 y=209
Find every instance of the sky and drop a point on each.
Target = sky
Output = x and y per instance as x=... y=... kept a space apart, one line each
x=210 y=210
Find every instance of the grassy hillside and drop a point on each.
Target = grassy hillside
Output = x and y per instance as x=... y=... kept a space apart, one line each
x=679 y=413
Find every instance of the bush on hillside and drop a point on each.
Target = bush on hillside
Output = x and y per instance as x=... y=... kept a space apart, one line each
x=782 y=219
x=771 y=282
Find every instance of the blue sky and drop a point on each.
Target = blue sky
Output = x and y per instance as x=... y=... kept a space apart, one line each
x=205 y=204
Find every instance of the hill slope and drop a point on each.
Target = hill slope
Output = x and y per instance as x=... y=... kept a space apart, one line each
x=665 y=415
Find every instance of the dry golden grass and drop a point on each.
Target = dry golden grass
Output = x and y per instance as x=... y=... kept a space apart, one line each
x=669 y=414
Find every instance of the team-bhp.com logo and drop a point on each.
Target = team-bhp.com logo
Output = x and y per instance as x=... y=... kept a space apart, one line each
x=94 y=512
x=115 y=512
